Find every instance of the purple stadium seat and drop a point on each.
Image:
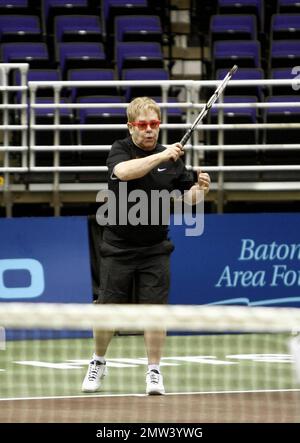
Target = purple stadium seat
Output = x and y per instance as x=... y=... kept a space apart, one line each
x=174 y=115
x=48 y=75
x=255 y=7
x=49 y=112
x=43 y=75
x=44 y=137
x=243 y=74
x=138 y=28
x=52 y=8
x=243 y=136
x=281 y=74
x=108 y=4
x=288 y=6
x=14 y=6
x=36 y=54
x=94 y=75
x=232 y=113
x=237 y=115
x=228 y=27
x=283 y=110
x=285 y=26
x=283 y=114
x=111 y=8
x=104 y=113
x=245 y=53
x=80 y=55
x=78 y=28
x=19 y=28
x=144 y=74
x=138 y=55
x=284 y=53
x=107 y=115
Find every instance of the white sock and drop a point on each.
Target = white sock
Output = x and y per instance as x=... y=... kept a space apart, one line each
x=153 y=367
x=98 y=358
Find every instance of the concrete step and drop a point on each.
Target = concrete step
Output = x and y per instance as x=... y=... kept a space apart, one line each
x=181 y=4
x=180 y=21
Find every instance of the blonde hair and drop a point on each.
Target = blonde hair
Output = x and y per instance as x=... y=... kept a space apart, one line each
x=139 y=105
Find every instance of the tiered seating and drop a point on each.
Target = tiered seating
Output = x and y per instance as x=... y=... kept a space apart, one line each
x=81 y=40
x=263 y=39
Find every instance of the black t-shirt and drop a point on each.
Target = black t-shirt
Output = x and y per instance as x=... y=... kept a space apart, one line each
x=168 y=176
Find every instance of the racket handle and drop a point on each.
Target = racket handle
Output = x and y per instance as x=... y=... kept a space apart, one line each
x=186 y=137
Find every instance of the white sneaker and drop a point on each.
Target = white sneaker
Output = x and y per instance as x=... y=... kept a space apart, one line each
x=154 y=382
x=95 y=373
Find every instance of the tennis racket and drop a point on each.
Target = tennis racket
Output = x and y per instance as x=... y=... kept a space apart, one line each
x=209 y=104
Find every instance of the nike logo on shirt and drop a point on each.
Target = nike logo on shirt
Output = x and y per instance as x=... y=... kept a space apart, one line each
x=161 y=169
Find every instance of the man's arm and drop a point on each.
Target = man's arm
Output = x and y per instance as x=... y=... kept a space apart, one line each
x=139 y=167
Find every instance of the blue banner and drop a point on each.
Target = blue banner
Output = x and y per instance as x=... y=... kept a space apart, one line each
x=45 y=260
x=248 y=259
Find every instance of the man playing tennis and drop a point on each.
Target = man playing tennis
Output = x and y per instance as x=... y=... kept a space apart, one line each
x=137 y=256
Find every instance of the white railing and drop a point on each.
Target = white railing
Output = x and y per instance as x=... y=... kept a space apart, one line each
x=7 y=130
x=189 y=103
x=191 y=88
x=5 y=88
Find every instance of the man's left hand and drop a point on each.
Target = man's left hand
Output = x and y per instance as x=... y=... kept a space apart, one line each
x=203 y=180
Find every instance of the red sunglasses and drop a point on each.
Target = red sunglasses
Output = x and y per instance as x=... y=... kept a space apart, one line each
x=142 y=125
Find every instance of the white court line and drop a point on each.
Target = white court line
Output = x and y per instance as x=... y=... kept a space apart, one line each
x=145 y=395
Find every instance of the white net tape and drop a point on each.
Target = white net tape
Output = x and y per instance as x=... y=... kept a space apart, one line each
x=219 y=364
x=151 y=317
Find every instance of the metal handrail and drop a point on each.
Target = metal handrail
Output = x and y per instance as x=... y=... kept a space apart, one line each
x=190 y=104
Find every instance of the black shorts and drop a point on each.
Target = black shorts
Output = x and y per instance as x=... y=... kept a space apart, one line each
x=135 y=275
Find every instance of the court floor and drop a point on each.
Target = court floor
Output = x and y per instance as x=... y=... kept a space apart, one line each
x=208 y=378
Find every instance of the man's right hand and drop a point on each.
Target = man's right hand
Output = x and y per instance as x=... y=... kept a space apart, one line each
x=172 y=152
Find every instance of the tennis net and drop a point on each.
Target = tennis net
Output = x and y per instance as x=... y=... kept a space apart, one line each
x=220 y=364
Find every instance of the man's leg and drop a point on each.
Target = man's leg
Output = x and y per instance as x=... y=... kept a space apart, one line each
x=101 y=341
x=97 y=368
x=115 y=281
x=153 y=286
x=154 y=342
